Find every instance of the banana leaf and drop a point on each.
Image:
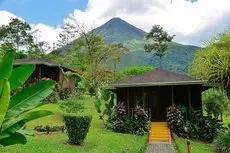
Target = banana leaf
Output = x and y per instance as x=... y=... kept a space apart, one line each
x=20 y=75
x=4 y=98
x=6 y=65
x=14 y=138
x=29 y=98
x=98 y=104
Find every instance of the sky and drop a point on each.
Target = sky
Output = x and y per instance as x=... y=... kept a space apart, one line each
x=193 y=22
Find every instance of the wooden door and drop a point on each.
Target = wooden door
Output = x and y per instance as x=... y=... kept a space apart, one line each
x=152 y=103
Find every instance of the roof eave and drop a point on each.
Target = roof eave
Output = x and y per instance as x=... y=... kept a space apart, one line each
x=200 y=82
x=47 y=64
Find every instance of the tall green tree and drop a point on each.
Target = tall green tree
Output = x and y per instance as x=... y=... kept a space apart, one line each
x=158 y=41
x=213 y=62
x=18 y=33
x=92 y=54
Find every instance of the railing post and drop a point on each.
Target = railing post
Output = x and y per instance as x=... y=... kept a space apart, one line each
x=188 y=145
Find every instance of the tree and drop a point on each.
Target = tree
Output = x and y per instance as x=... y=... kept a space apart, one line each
x=91 y=53
x=17 y=110
x=158 y=41
x=213 y=62
x=69 y=33
x=17 y=33
x=215 y=102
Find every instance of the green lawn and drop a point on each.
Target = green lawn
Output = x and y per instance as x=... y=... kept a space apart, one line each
x=98 y=139
x=196 y=147
x=226 y=120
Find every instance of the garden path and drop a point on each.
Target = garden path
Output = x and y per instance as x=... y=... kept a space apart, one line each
x=160 y=147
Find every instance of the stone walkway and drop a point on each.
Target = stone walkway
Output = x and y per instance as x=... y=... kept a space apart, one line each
x=160 y=147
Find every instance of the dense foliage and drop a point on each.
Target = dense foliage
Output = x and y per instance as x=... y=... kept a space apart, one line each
x=16 y=110
x=222 y=143
x=215 y=102
x=213 y=62
x=77 y=128
x=71 y=105
x=176 y=121
x=204 y=128
x=48 y=129
x=119 y=121
x=198 y=127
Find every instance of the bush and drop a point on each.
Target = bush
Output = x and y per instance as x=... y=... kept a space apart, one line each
x=47 y=128
x=119 y=121
x=71 y=105
x=222 y=143
x=176 y=121
x=199 y=127
x=52 y=98
x=204 y=128
x=77 y=128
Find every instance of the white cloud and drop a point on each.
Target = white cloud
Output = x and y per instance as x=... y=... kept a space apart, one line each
x=193 y=23
x=44 y=32
x=6 y=16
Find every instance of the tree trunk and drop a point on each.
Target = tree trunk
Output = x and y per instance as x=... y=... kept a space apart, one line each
x=160 y=62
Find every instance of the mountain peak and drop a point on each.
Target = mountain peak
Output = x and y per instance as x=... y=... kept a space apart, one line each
x=117 y=19
x=120 y=31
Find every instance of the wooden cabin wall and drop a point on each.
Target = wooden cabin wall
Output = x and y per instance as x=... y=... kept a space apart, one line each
x=181 y=95
x=196 y=97
x=159 y=98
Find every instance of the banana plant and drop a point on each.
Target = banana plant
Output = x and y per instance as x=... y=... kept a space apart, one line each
x=17 y=110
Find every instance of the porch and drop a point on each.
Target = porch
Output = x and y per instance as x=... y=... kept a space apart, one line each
x=156 y=99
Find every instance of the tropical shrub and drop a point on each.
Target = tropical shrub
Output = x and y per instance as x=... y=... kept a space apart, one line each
x=15 y=110
x=71 y=105
x=204 y=128
x=108 y=105
x=199 y=127
x=119 y=121
x=176 y=121
x=141 y=118
x=77 y=128
x=222 y=143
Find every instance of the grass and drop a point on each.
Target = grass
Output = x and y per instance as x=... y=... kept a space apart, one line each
x=98 y=139
x=226 y=120
x=196 y=147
